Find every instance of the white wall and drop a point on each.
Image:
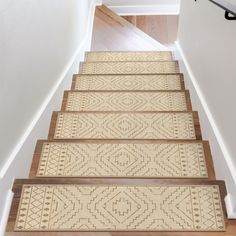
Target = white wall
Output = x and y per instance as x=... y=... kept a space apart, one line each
x=139 y=2
x=207 y=43
x=144 y=7
x=41 y=45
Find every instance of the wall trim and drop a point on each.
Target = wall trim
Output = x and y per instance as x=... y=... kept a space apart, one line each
x=161 y=9
x=6 y=210
x=231 y=209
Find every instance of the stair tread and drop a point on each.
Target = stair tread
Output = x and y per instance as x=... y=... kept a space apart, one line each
x=125 y=125
x=126 y=101
x=90 y=205
x=138 y=67
x=128 y=82
x=127 y=159
x=128 y=56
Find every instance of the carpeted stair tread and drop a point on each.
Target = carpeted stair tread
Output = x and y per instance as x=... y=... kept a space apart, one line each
x=142 y=67
x=123 y=125
x=128 y=56
x=159 y=206
x=126 y=101
x=121 y=159
x=128 y=82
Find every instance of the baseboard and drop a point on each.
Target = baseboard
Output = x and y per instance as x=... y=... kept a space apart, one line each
x=223 y=164
x=5 y=212
x=22 y=153
x=130 y=10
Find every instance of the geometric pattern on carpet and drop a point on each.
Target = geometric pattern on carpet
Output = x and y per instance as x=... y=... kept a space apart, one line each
x=120 y=208
x=129 y=56
x=124 y=126
x=126 y=101
x=160 y=160
x=128 y=82
x=129 y=67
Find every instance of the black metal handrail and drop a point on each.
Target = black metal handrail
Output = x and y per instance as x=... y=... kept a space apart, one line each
x=230 y=9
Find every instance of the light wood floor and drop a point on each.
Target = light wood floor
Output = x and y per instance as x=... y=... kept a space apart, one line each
x=162 y=28
x=115 y=34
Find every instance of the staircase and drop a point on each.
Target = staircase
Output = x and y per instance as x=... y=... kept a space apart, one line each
x=124 y=154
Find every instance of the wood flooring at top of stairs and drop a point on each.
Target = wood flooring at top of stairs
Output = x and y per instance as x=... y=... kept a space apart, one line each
x=112 y=32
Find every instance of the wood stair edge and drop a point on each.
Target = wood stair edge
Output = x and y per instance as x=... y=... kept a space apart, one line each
x=127 y=51
x=114 y=62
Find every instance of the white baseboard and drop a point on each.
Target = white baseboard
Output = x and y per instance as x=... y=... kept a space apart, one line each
x=223 y=164
x=19 y=162
x=5 y=212
x=231 y=210
x=162 y=9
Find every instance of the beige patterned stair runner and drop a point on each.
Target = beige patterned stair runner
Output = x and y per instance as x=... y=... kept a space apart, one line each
x=128 y=82
x=126 y=101
x=129 y=56
x=158 y=160
x=120 y=208
x=129 y=67
x=124 y=125
x=70 y=205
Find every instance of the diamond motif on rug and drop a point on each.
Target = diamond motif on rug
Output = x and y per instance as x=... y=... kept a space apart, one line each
x=128 y=82
x=126 y=101
x=125 y=126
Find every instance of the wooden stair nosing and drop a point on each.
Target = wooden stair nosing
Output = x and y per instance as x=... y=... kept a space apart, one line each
x=18 y=184
x=39 y=146
x=126 y=51
x=52 y=127
x=114 y=62
x=78 y=76
x=66 y=94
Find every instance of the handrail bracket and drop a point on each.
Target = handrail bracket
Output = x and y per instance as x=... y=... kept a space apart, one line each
x=230 y=9
x=228 y=16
